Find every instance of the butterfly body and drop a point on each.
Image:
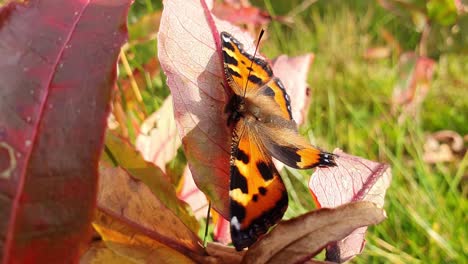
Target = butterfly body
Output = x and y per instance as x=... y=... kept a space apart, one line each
x=259 y=113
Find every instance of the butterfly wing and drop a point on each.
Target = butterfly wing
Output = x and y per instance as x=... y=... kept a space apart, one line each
x=285 y=144
x=238 y=64
x=258 y=197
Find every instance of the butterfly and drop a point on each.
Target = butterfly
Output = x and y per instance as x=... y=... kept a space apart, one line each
x=259 y=112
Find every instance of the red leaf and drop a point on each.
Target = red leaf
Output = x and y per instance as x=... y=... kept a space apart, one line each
x=57 y=70
x=189 y=52
x=354 y=179
x=241 y=14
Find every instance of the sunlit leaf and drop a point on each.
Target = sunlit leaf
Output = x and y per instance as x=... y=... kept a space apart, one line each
x=301 y=238
x=136 y=223
x=354 y=179
x=58 y=68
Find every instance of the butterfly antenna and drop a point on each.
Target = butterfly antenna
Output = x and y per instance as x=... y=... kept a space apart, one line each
x=207 y=223
x=251 y=63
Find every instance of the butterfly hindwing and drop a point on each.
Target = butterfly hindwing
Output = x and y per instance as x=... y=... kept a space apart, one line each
x=285 y=144
x=258 y=197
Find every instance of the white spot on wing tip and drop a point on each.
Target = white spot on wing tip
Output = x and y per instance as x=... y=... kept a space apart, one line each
x=235 y=223
x=225 y=38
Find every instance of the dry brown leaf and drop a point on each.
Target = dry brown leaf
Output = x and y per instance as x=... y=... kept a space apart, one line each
x=299 y=239
x=136 y=244
x=443 y=146
x=99 y=253
x=135 y=223
x=224 y=254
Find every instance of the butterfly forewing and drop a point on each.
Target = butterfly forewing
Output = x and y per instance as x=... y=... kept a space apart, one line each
x=257 y=193
x=238 y=64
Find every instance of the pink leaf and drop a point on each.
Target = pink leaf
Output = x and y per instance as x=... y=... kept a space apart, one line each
x=57 y=68
x=189 y=51
x=158 y=140
x=190 y=194
x=296 y=84
x=354 y=179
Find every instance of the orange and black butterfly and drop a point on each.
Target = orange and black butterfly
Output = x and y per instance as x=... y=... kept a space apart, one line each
x=260 y=114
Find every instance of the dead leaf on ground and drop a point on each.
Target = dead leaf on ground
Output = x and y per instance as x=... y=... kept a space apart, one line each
x=443 y=146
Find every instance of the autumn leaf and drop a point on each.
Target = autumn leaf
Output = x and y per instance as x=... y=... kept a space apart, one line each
x=99 y=253
x=354 y=179
x=135 y=222
x=57 y=69
x=120 y=153
x=299 y=239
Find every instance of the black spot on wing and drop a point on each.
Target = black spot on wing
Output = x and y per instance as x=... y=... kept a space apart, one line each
x=234 y=73
x=242 y=156
x=265 y=170
x=255 y=79
x=262 y=190
x=238 y=180
x=269 y=92
x=255 y=197
x=262 y=63
x=228 y=59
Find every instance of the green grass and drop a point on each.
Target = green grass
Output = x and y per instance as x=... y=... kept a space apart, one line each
x=351 y=109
